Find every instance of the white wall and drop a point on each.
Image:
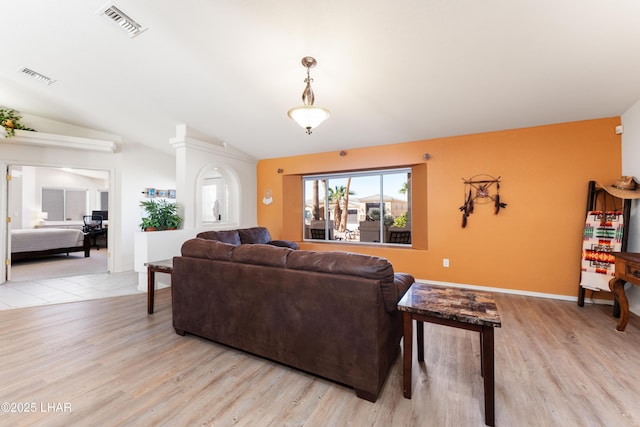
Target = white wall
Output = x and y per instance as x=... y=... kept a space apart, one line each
x=15 y=198
x=631 y=167
x=28 y=199
x=140 y=168
x=54 y=178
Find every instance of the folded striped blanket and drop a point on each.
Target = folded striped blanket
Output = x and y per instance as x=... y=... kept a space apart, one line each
x=602 y=236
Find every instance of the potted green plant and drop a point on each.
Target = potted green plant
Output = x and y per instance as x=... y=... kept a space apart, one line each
x=160 y=215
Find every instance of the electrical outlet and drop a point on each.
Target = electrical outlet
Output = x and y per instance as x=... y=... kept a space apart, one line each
x=445 y=262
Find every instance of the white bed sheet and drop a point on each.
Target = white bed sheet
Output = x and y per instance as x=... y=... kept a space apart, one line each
x=42 y=239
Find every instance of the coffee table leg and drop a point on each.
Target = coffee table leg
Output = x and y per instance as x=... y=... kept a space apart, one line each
x=481 y=354
x=151 y=281
x=420 y=340
x=487 y=370
x=407 y=339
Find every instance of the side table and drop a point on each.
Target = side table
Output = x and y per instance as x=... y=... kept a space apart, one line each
x=153 y=267
x=458 y=308
x=627 y=270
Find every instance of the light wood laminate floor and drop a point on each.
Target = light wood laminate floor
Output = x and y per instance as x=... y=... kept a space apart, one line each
x=107 y=363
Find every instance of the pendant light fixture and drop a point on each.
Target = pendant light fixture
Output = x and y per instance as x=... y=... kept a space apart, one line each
x=308 y=116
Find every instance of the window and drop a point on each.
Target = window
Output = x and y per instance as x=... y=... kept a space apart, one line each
x=103 y=197
x=62 y=204
x=367 y=207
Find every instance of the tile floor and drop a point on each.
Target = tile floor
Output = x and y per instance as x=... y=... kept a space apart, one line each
x=67 y=289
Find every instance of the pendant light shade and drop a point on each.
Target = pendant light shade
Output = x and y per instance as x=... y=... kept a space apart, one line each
x=308 y=116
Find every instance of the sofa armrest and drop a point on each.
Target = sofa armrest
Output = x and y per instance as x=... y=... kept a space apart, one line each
x=284 y=244
x=393 y=291
x=403 y=282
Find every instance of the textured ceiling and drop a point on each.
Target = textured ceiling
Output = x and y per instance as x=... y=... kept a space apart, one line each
x=388 y=71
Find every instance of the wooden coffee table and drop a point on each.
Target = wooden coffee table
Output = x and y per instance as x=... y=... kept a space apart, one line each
x=459 y=308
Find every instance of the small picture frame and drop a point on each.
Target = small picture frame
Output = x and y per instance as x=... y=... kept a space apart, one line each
x=162 y=193
x=151 y=192
x=172 y=194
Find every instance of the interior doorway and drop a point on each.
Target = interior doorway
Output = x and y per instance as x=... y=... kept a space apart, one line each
x=46 y=207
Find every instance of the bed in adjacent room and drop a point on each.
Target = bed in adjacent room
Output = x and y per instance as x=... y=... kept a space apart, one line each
x=38 y=242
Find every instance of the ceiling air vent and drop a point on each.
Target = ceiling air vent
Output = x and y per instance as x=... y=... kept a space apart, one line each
x=34 y=74
x=122 y=20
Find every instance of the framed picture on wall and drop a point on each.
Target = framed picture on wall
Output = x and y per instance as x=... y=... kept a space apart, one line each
x=162 y=193
x=172 y=194
x=151 y=192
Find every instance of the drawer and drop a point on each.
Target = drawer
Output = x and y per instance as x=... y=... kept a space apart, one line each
x=632 y=271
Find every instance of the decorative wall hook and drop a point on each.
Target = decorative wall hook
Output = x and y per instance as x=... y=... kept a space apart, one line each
x=268 y=197
x=480 y=189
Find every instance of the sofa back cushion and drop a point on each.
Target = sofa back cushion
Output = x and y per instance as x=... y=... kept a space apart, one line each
x=352 y=264
x=339 y=263
x=348 y=263
x=226 y=236
x=260 y=254
x=258 y=235
x=208 y=249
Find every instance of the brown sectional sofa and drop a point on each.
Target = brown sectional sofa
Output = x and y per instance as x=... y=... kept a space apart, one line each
x=332 y=314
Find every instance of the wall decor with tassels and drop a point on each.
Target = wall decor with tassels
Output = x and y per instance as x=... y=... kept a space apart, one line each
x=480 y=189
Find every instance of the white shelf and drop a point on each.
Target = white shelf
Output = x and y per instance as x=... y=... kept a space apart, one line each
x=53 y=140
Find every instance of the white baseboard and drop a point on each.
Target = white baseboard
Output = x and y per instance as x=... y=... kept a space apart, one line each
x=518 y=292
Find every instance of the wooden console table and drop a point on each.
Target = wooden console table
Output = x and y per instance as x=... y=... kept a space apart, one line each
x=627 y=270
x=456 y=307
x=153 y=267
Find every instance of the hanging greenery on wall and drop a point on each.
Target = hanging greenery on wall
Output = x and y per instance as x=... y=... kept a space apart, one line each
x=10 y=121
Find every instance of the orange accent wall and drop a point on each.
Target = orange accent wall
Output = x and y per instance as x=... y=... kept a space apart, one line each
x=534 y=244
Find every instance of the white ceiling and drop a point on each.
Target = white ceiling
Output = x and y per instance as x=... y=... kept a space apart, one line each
x=388 y=71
